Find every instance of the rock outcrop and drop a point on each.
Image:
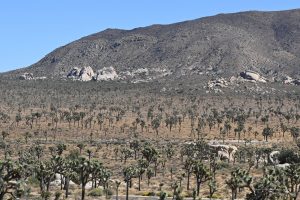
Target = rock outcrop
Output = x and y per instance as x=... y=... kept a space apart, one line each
x=83 y=74
x=274 y=157
x=220 y=82
x=253 y=76
x=105 y=74
x=283 y=166
x=225 y=151
x=29 y=76
x=86 y=74
x=289 y=80
x=74 y=73
x=26 y=76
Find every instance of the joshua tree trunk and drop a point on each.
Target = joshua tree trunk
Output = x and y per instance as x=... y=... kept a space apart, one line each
x=188 y=181
x=198 y=187
x=234 y=194
x=117 y=193
x=127 y=189
x=67 y=182
x=2 y=195
x=83 y=192
x=140 y=177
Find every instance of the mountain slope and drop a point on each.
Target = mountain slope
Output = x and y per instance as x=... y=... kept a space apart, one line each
x=267 y=42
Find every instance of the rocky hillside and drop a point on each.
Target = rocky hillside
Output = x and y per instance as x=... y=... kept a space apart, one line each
x=221 y=45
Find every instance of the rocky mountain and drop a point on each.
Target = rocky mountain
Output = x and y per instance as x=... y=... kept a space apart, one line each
x=223 y=45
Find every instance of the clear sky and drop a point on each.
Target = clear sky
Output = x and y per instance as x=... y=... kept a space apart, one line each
x=32 y=28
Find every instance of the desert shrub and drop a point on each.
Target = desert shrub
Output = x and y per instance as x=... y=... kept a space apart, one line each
x=96 y=192
x=23 y=191
x=46 y=195
x=188 y=193
x=223 y=165
x=162 y=195
x=108 y=192
x=288 y=156
x=57 y=195
x=33 y=181
x=148 y=194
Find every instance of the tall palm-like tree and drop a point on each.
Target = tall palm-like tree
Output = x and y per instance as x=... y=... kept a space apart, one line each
x=239 y=179
x=267 y=132
x=201 y=173
x=129 y=173
x=10 y=173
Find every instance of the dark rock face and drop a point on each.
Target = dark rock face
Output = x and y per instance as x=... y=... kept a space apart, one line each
x=225 y=44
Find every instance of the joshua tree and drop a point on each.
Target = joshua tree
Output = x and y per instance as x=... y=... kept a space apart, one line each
x=283 y=128
x=135 y=145
x=67 y=172
x=81 y=146
x=83 y=168
x=293 y=174
x=128 y=173
x=60 y=147
x=44 y=173
x=4 y=134
x=141 y=168
x=100 y=119
x=295 y=132
x=150 y=174
x=267 y=132
x=149 y=153
x=170 y=121
x=212 y=187
x=10 y=175
x=188 y=166
x=201 y=173
x=117 y=183
x=270 y=186
x=239 y=179
x=27 y=136
x=18 y=118
x=125 y=154
x=155 y=123
x=142 y=124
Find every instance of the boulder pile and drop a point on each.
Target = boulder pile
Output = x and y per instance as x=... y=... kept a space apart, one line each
x=29 y=76
x=26 y=76
x=220 y=82
x=253 y=76
x=87 y=74
x=83 y=74
x=289 y=80
x=105 y=74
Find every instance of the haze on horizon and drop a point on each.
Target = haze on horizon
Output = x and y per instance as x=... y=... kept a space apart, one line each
x=31 y=29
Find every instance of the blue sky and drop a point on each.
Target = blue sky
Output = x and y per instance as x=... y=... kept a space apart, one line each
x=32 y=28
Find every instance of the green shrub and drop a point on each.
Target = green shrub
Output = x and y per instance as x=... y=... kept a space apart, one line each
x=162 y=195
x=223 y=165
x=148 y=194
x=57 y=195
x=46 y=195
x=33 y=181
x=96 y=192
x=288 y=156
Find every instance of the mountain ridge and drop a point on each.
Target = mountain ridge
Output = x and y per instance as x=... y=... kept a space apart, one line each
x=224 y=44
